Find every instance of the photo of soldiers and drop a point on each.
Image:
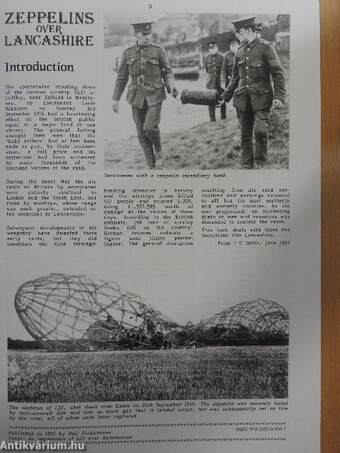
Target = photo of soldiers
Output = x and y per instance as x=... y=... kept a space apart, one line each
x=188 y=59
x=256 y=63
x=213 y=67
x=146 y=65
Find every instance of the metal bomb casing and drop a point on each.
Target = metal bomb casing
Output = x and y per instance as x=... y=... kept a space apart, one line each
x=196 y=97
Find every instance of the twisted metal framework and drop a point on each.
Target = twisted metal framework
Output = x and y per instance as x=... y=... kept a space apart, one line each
x=258 y=317
x=74 y=311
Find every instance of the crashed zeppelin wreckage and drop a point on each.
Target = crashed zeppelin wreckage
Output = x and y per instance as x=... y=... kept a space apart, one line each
x=74 y=312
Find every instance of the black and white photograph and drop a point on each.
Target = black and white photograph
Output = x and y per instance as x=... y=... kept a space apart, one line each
x=92 y=341
x=196 y=91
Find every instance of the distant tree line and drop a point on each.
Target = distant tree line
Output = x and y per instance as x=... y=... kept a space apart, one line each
x=186 y=337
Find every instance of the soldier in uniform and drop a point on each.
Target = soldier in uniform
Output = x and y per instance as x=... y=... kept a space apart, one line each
x=149 y=70
x=257 y=85
x=227 y=66
x=258 y=29
x=213 y=66
x=228 y=63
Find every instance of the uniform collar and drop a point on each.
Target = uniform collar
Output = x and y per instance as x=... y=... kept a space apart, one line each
x=139 y=47
x=216 y=54
x=253 y=42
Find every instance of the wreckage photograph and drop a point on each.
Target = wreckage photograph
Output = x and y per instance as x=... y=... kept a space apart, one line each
x=196 y=91
x=93 y=341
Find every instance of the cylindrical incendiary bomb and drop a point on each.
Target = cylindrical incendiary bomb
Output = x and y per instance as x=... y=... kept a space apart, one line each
x=206 y=97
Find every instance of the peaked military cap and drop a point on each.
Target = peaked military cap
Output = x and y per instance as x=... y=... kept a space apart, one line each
x=244 y=23
x=212 y=43
x=144 y=27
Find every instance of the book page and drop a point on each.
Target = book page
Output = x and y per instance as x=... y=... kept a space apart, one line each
x=160 y=226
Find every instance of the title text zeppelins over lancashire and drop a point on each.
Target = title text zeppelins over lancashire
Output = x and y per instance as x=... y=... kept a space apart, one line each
x=49 y=28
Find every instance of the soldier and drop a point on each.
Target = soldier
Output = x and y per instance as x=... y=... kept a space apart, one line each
x=149 y=70
x=256 y=63
x=228 y=63
x=258 y=29
x=227 y=66
x=213 y=66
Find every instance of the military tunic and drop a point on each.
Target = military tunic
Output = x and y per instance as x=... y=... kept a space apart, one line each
x=150 y=73
x=213 y=66
x=227 y=68
x=257 y=78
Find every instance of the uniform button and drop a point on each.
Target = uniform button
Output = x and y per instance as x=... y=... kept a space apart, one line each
x=248 y=50
x=247 y=67
x=247 y=86
x=247 y=58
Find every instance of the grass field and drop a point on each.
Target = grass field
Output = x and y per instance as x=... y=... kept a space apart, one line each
x=207 y=373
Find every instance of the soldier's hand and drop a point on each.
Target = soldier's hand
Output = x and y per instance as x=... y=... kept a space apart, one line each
x=221 y=94
x=277 y=104
x=115 y=106
x=221 y=99
x=174 y=92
